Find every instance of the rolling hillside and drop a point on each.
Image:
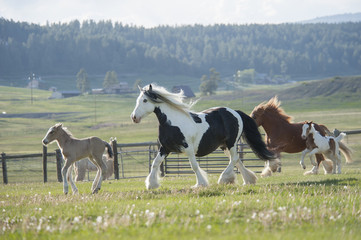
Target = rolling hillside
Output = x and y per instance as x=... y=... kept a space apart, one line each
x=341 y=86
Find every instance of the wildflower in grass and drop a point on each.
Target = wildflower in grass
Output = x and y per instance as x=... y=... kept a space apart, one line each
x=76 y=219
x=99 y=219
x=209 y=227
x=237 y=203
x=197 y=212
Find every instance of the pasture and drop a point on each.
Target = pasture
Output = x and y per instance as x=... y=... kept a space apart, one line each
x=287 y=205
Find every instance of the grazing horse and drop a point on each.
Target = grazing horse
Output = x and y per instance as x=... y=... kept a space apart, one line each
x=282 y=135
x=198 y=134
x=80 y=168
x=327 y=145
x=74 y=149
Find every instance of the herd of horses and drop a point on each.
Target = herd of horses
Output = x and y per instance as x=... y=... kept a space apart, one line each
x=200 y=133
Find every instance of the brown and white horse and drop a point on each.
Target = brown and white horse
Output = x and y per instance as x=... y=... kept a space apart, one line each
x=282 y=135
x=316 y=143
x=74 y=149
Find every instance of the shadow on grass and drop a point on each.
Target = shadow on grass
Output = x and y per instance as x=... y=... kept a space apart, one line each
x=326 y=182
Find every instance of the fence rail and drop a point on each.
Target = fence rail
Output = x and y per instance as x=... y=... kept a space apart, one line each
x=130 y=160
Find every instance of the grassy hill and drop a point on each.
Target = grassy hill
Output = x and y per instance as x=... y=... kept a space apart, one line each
x=337 y=86
x=25 y=124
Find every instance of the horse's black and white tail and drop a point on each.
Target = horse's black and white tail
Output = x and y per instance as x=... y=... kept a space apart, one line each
x=109 y=148
x=254 y=138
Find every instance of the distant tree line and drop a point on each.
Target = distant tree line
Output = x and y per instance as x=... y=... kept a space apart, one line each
x=283 y=49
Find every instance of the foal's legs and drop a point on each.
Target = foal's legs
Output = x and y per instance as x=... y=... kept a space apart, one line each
x=302 y=162
x=64 y=173
x=70 y=178
x=98 y=177
x=152 y=181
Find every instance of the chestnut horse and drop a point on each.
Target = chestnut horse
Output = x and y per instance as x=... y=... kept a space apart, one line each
x=282 y=135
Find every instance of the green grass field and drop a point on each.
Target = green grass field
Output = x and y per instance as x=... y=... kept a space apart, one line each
x=287 y=205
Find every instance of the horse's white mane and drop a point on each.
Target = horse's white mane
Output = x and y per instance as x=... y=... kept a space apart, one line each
x=173 y=99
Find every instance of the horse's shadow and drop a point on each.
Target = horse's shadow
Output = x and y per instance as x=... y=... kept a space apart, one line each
x=325 y=182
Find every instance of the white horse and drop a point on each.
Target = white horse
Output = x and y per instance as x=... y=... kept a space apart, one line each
x=316 y=143
x=198 y=134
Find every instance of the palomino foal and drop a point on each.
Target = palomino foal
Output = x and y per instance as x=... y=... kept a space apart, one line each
x=74 y=149
x=316 y=143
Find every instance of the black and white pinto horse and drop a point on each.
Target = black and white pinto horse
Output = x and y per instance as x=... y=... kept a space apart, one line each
x=198 y=134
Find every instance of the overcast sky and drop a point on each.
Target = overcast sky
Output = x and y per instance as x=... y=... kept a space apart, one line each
x=150 y=13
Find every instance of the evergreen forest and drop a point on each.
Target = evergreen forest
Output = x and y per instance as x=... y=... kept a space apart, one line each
x=287 y=49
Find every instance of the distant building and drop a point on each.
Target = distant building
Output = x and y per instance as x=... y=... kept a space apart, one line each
x=119 y=88
x=186 y=89
x=64 y=94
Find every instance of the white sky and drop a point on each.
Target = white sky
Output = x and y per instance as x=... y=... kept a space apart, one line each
x=151 y=13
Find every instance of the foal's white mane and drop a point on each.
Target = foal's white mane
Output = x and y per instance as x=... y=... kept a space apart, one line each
x=173 y=99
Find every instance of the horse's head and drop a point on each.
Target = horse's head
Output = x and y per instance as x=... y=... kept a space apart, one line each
x=52 y=134
x=268 y=112
x=306 y=129
x=257 y=115
x=145 y=104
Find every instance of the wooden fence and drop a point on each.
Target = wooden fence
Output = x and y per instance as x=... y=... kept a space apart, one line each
x=134 y=160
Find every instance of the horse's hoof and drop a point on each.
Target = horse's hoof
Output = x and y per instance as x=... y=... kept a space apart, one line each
x=310 y=173
x=96 y=191
x=199 y=186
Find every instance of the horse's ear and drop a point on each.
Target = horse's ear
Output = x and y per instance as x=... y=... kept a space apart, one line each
x=150 y=87
x=59 y=125
x=140 y=89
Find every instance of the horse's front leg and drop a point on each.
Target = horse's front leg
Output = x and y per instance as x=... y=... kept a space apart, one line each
x=302 y=162
x=314 y=170
x=202 y=179
x=312 y=154
x=70 y=178
x=64 y=173
x=152 y=181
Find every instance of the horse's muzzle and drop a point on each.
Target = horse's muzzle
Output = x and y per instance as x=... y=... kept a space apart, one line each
x=45 y=141
x=135 y=119
x=303 y=137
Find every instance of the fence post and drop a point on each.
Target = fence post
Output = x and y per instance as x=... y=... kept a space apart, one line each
x=116 y=164
x=5 y=170
x=45 y=163
x=59 y=158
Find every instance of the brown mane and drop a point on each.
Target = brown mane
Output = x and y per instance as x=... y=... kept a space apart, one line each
x=273 y=107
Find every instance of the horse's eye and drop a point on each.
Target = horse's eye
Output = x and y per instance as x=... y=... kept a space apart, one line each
x=145 y=100
x=51 y=132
